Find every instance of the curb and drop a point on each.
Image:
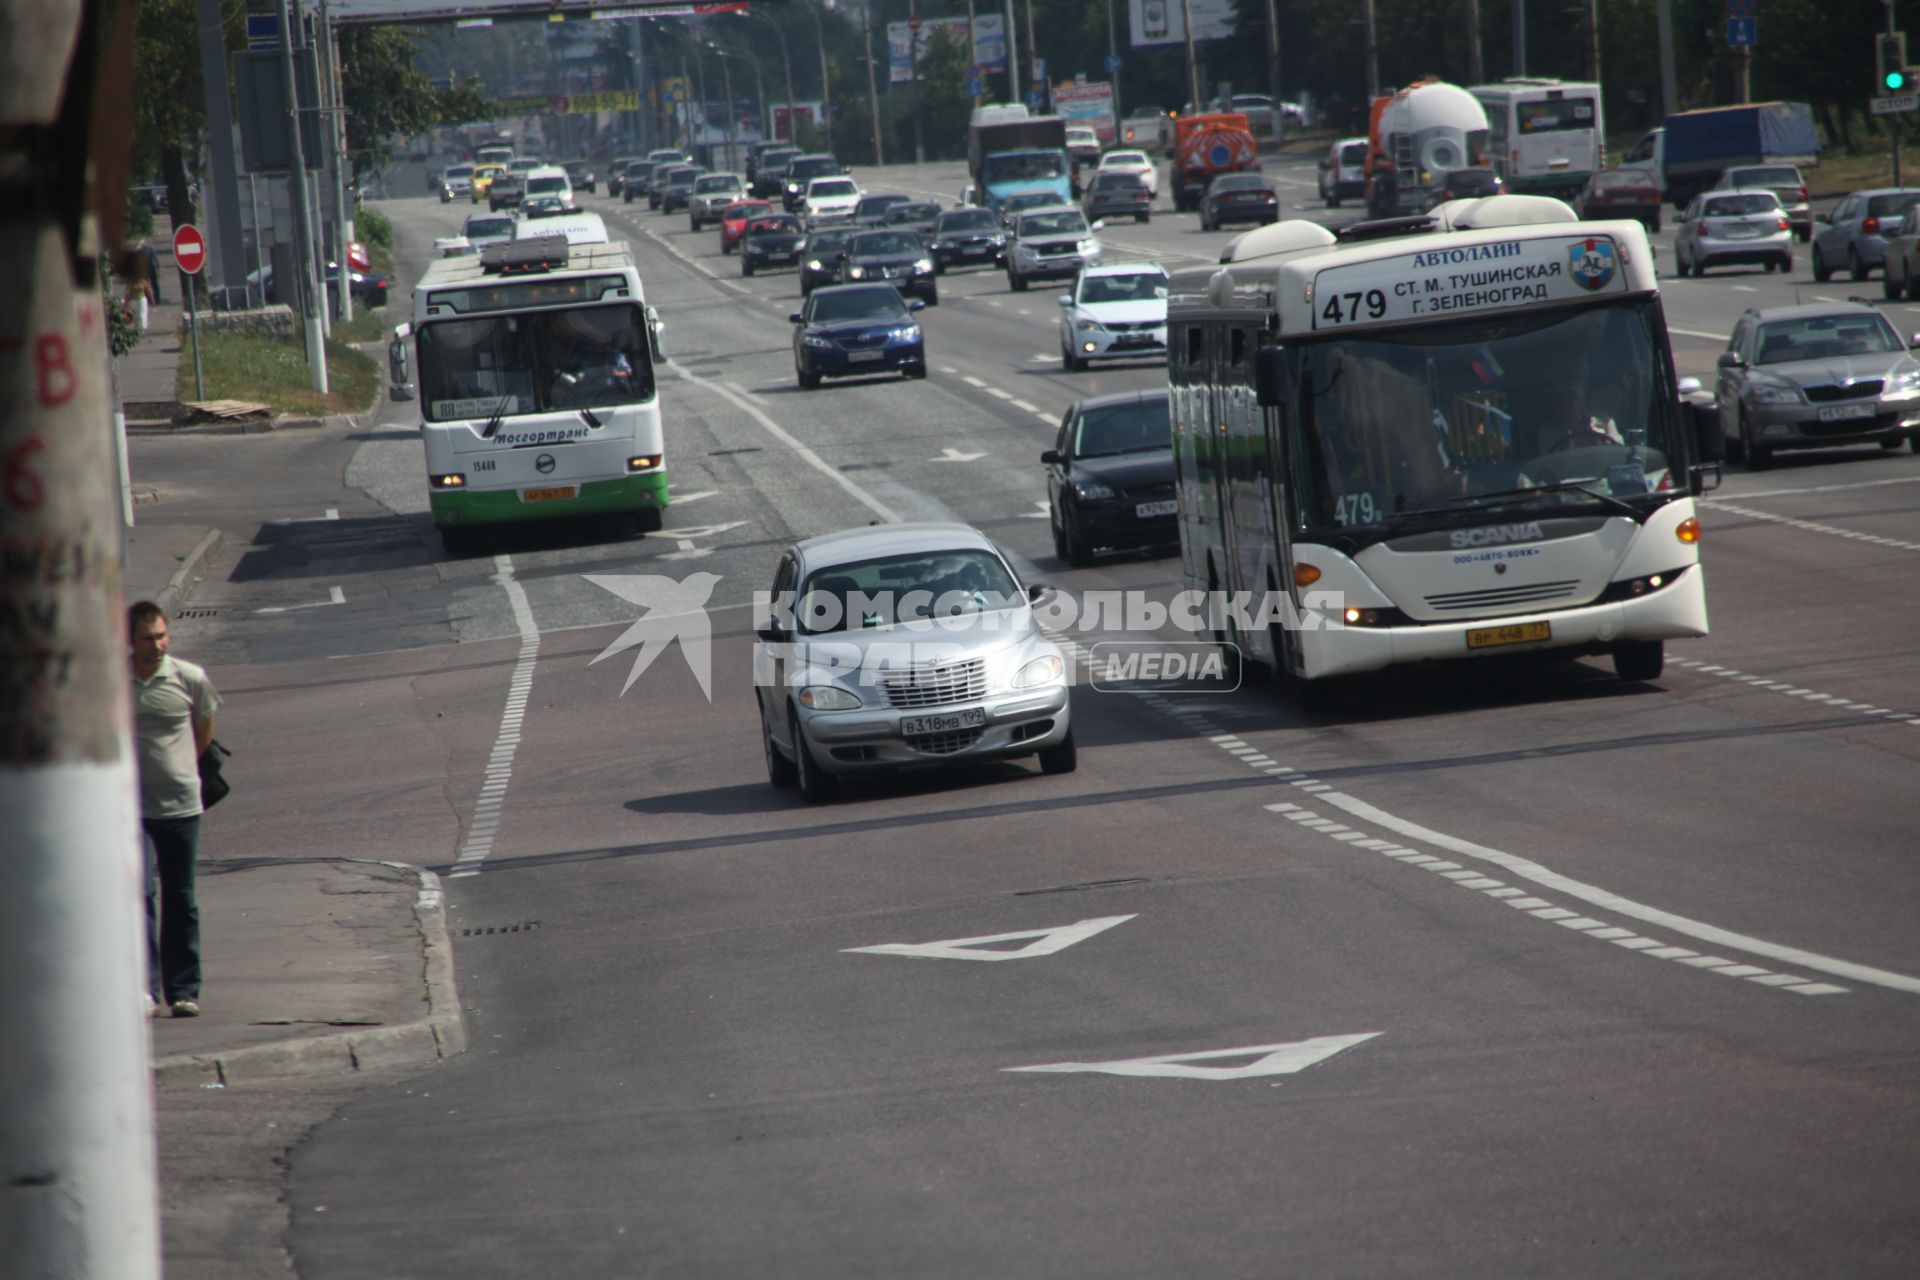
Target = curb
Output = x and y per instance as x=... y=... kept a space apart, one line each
x=188 y=573
x=420 y=1043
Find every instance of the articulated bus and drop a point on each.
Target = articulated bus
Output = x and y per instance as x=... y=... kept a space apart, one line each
x=1435 y=442
x=537 y=386
x=1543 y=136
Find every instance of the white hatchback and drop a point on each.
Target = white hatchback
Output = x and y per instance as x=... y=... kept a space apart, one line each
x=1132 y=162
x=1116 y=312
x=830 y=199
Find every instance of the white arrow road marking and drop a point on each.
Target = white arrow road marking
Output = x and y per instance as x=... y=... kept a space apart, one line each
x=1274 y=1060
x=954 y=455
x=704 y=530
x=334 y=596
x=1045 y=943
x=1045 y=359
x=1043 y=513
x=682 y=499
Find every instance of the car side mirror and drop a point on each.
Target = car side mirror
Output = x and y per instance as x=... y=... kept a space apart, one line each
x=796 y=318
x=1038 y=591
x=1729 y=360
x=1687 y=386
x=1100 y=225
x=1066 y=299
x=656 y=336
x=916 y=304
x=1052 y=458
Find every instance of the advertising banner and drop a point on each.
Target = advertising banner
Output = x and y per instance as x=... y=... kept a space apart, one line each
x=1088 y=104
x=900 y=43
x=990 y=42
x=1159 y=22
x=783 y=125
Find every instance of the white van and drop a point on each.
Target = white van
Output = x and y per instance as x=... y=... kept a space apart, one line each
x=578 y=228
x=549 y=180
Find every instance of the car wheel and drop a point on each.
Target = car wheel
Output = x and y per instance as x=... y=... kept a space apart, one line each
x=1079 y=553
x=1654 y=224
x=808 y=381
x=649 y=519
x=1016 y=283
x=1894 y=287
x=780 y=770
x=1069 y=361
x=1821 y=271
x=1333 y=202
x=939 y=267
x=1639 y=659
x=1913 y=442
x=816 y=785
x=1141 y=216
x=1060 y=539
x=915 y=370
x=1856 y=269
x=1758 y=456
x=1061 y=757
x=746 y=265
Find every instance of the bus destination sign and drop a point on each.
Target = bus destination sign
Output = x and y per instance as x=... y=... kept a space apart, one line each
x=1443 y=280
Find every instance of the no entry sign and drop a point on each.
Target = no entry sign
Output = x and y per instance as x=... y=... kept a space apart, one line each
x=189 y=249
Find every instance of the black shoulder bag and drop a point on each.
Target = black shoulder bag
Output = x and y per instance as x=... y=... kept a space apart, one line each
x=213 y=784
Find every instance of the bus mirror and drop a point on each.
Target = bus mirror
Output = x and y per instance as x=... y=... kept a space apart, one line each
x=1709 y=444
x=656 y=336
x=399 y=384
x=1270 y=375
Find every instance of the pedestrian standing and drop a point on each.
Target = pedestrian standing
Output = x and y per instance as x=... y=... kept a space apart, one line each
x=153 y=269
x=173 y=704
x=140 y=295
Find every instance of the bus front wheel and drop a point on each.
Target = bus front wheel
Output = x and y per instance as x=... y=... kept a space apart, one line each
x=649 y=519
x=1640 y=659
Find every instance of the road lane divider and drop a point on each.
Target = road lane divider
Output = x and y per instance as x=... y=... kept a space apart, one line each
x=491 y=804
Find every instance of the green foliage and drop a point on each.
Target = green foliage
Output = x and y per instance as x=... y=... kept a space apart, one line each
x=123 y=331
x=139 y=217
x=374 y=227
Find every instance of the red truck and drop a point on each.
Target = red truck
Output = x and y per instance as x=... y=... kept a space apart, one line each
x=1205 y=145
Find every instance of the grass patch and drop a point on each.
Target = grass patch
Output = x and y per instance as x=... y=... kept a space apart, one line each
x=274 y=373
x=368 y=325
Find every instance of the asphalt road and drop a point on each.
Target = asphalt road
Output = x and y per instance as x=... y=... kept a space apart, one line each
x=1501 y=971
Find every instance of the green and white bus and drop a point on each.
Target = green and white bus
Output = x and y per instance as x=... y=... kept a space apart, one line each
x=1373 y=454
x=537 y=386
x=1543 y=136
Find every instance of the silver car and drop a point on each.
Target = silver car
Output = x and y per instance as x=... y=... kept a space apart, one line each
x=1050 y=244
x=1810 y=377
x=893 y=646
x=1854 y=234
x=1726 y=228
x=712 y=193
x=1784 y=180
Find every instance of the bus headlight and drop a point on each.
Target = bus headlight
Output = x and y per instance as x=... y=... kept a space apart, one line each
x=454 y=481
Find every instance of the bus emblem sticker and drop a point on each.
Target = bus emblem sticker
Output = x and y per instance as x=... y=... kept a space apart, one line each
x=544 y=464
x=1593 y=263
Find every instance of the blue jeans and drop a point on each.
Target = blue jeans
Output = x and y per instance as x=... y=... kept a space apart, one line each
x=173 y=913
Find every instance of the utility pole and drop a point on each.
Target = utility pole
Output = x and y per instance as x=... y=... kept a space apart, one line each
x=1273 y=55
x=1476 y=69
x=312 y=305
x=335 y=114
x=1034 y=80
x=873 y=87
x=974 y=73
x=913 y=79
x=1669 y=79
x=1013 y=59
x=1113 y=74
x=79 y=1190
x=1373 y=51
x=1893 y=125
x=1519 y=37
x=1593 y=40
x=1193 y=74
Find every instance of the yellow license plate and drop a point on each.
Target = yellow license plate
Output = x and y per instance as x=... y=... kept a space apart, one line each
x=546 y=495
x=1518 y=633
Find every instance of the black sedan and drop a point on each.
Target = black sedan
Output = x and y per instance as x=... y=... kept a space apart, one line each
x=771 y=240
x=820 y=260
x=872 y=210
x=967 y=237
x=1110 y=476
x=856 y=329
x=1238 y=197
x=918 y=217
x=898 y=257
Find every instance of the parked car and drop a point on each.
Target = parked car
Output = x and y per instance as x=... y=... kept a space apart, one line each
x=581 y=175
x=1117 y=195
x=1726 y=228
x=734 y=219
x=1133 y=161
x=1470 y=184
x=1851 y=233
x=710 y=196
x=905 y=645
x=898 y=257
x=1343 y=172
x=820 y=258
x=1114 y=312
x=1110 y=476
x=1050 y=244
x=771 y=240
x=1900 y=265
x=1783 y=180
x=1814 y=376
x=965 y=237
x=851 y=330
x=1622 y=193
x=1238 y=197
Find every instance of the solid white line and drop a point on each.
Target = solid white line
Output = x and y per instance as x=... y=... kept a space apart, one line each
x=485 y=819
x=1697 y=333
x=1813 y=527
x=1527 y=869
x=737 y=396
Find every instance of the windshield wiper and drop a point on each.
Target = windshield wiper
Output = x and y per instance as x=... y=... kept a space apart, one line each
x=493 y=423
x=1558 y=486
x=587 y=414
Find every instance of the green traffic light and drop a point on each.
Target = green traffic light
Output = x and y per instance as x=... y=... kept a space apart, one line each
x=1896 y=81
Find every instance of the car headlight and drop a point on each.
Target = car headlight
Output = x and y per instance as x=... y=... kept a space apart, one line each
x=923 y=266
x=1023 y=251
x=1902 y=386
x=856 y=273
x=907 y=333
x=1089 y=326
x=814 y=264
x=827 y=697
x=814 y=340
x=1092 y=490
x=1046 y=669
x=1088 y=246
x=1773 y=393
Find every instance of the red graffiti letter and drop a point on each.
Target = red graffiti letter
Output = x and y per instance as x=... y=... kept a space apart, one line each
x=53 y=369
x=22 y=486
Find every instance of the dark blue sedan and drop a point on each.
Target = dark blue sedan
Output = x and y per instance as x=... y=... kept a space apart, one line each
x=853 y=329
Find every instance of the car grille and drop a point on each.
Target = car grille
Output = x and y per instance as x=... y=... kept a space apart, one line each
x=1149 y=492
x=862 y=341
x=945 y=744
x=1058 y=249
x=1502 y=597
x=927 y=686
x=1144 y=326
x=1843 y=391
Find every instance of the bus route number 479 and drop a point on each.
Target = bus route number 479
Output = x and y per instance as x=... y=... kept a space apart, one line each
x=1347 y=308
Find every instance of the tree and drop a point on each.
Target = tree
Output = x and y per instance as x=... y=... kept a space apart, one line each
x=169 y=112
x=388 y=97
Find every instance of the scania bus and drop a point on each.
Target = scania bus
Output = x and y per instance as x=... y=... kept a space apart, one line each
x=1361 y=434
x=537 y=386
x=1544 y=136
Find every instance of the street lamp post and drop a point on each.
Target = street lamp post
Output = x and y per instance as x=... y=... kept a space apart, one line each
x=733 y=116
x=826 y=104
x=759 y=86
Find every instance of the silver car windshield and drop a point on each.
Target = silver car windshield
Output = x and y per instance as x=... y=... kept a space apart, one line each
x=1053 y=224
x=1739 y=206
x=1431 y=417
x=1825 y=338
x=905 y=588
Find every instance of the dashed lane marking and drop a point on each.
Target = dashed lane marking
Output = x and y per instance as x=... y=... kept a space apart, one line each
x=1785 y=689
x=1812 y=526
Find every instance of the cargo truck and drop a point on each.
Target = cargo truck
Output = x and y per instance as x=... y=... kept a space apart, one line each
x=1205 y=146
x=1692 y=149
x=1008 y=156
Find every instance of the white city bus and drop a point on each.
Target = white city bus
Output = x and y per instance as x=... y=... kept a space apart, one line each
x=1543 y=135
x=1362 y=445
x=537 y=386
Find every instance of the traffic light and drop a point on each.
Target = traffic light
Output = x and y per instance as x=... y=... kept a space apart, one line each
x=1894 y=76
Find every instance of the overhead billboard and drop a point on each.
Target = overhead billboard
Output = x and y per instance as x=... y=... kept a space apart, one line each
x=351 y=12
x=988 y=38
x=1089 y=104
x=1159 y=22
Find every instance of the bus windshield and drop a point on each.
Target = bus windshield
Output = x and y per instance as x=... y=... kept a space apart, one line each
x=534 y=362
x=1426 y=420
x=1018 y=167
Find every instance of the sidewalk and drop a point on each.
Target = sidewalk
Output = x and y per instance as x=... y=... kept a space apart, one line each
x=150 y=373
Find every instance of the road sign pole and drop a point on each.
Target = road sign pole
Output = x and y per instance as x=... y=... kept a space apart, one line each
x=193 y=328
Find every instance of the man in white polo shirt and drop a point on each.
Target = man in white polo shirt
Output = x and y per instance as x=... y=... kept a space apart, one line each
x=173 y=706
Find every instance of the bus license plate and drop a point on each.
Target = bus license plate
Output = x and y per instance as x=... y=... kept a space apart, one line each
x=1148 y=510
x=546 y=495
x=1518 y=633
x=1842 y=412
x=969 y=718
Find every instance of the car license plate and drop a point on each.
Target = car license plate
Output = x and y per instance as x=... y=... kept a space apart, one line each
x=854 y=357
x=1742 y=231
x=952 y=721
x=546 y=495
x=1148 y=510
x=1518 y=633
x=1842 y=412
